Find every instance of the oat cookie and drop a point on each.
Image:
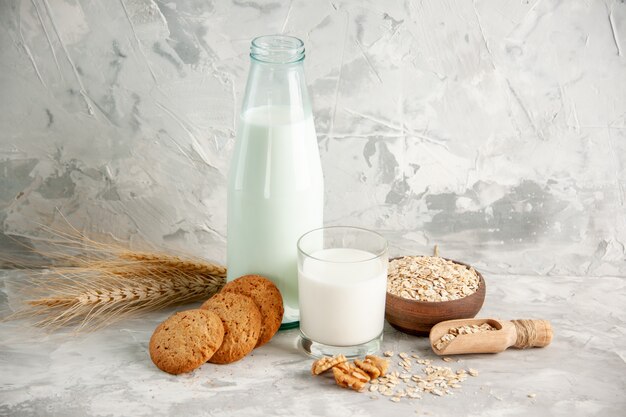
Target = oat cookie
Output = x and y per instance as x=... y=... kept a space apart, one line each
x=186 y=340
x=349 y=376
x=325 y=363
x=242 y=325
x=267 y=297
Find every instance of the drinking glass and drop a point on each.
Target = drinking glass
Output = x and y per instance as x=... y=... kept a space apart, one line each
x=342 y=281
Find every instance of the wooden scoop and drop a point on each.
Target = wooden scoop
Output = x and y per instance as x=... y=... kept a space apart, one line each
x=517 y=333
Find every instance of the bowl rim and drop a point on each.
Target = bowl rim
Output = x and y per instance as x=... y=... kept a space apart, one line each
x=481 y=284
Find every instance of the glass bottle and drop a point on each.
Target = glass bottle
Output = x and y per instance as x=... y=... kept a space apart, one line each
x=275 y=187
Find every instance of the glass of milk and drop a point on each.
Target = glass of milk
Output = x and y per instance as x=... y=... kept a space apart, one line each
x=342 y=281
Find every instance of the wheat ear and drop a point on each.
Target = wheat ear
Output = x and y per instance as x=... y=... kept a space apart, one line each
x=89 y=304
x=91 y=284
x=106 y=283
x=175 y=262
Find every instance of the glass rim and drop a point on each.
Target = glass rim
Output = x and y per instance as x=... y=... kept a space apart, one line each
x=264 y=47
x=360 y=229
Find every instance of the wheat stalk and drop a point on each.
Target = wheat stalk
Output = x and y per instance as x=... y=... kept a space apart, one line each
x=102 y=300
x=107 y=283
x=176 y=263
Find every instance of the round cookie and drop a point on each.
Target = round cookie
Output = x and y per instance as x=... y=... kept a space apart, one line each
x=186 y=340
x=266 y=296
x=242 y=325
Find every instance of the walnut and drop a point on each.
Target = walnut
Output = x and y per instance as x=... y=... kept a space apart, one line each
x=368 y=367
x=349 y=376
x=380 y=363
x=325 y=363
x=373 y=366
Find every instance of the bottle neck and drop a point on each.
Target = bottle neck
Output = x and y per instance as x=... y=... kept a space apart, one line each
x=277 y=49
x=276 y=77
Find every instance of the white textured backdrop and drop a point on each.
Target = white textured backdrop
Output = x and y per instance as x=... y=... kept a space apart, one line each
x=496 y=129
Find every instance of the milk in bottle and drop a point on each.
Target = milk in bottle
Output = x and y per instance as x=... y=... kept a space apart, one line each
x=275 y=190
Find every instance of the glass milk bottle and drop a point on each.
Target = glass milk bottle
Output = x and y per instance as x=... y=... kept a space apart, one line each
x=275 y=189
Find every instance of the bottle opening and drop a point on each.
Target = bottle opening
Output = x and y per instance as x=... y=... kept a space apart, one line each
x=277 y=49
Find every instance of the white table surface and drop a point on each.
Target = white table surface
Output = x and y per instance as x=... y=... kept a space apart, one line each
x=109 y=372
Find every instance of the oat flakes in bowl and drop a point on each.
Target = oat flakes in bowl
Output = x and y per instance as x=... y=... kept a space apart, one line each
x=424 y=290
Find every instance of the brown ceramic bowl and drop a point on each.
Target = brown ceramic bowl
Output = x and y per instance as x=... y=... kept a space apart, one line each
x=417 y=317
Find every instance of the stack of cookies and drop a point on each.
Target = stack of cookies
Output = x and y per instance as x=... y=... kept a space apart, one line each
x=244 y=315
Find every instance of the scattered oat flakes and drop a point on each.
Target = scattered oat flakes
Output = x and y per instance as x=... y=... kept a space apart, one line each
x=435 y=380
x=388 y=353
x=448 y=359
x=533 y=395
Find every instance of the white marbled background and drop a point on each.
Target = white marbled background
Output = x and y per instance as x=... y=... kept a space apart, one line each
x=496 y=129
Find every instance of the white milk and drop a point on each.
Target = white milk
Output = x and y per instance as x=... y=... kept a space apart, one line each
x=342 y=303
x=275 y=195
